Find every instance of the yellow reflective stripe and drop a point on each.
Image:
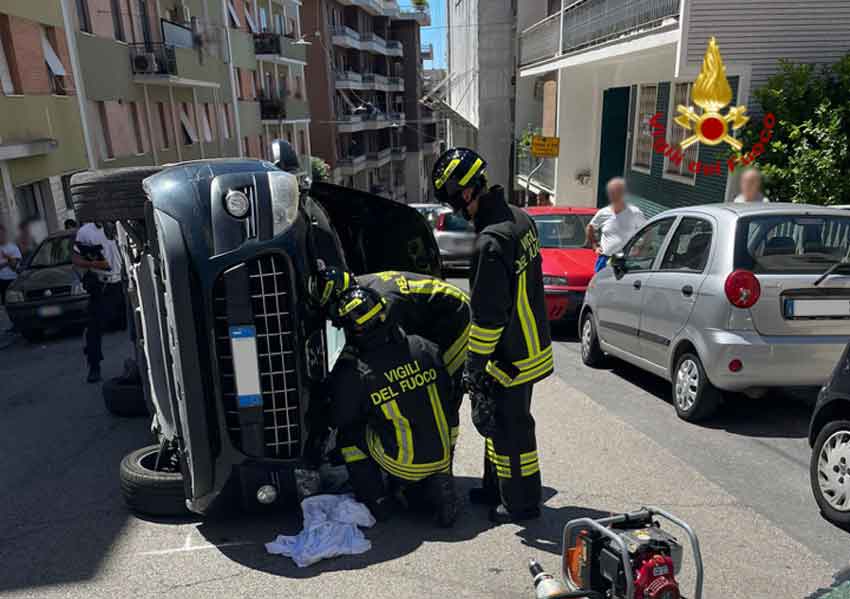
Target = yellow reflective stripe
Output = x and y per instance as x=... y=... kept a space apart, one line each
x=412 y=472
x=350 y=306
x=366 y=317
x=533 y=361
x=526 y=458
x=530 y=469
x=471 y=172
x=437 y=287
x=326 y=294
x=543 y=368
x=486 y=334
x=346 y=281
x=447 y=173
x=455 y=432
x=440 y=419
x=498 y=374
x=526 y=317
x=458 y=346
x=352 y=454
x=403 y=435
x=481 y=348
x=455 y=364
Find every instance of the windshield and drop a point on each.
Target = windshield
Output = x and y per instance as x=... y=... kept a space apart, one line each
x=562 y=230
x=53 y=252
x=791 y=244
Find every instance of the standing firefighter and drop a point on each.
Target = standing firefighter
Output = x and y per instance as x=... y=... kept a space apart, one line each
x=391 y=403
x=421 y=305
x=509 y=343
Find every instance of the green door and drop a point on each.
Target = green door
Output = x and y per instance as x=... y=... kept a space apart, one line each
x=612 y=147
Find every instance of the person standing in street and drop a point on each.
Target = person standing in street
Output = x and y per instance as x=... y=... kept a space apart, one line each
x=98 y=255
x=510 y=346
x=750 y=184
x=10 y=256
x=612 y=226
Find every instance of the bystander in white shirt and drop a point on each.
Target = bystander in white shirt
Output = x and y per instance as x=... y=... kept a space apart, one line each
x=740 y=199
x=614 y=229
x=8 y=250
x=92 y=235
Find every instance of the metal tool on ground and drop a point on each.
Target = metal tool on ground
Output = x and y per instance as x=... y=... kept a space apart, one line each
x=626 y=556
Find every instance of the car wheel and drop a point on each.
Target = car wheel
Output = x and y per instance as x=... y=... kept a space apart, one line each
x=110 y=195
x=123 y=399
x=591 y=354
x=151 y=488
x=829 y=471
x=694 y=397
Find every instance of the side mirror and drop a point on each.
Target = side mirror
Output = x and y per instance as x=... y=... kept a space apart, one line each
x=618 y=264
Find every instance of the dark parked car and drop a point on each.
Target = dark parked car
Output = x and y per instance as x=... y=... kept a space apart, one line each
x=829 y=437
x=232 y=353
x=48 y=293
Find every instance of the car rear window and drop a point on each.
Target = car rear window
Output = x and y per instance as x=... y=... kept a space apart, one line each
x=562 y=230
x=791 y=244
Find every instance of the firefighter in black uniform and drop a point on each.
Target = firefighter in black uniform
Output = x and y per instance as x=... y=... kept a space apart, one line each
x=509 y=342
x=390 y=403
x=422 y=305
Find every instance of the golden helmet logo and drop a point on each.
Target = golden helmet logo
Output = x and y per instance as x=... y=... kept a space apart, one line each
x=712 y=93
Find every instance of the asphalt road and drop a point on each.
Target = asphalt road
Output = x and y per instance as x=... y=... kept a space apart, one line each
x=608 y=441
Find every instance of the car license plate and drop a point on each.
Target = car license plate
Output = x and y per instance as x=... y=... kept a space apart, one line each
x=243 y=343
x=817 y=308
x=49 y=311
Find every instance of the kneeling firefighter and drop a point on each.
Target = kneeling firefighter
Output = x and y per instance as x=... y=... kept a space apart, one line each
x=390 y=403
x=509 y=342
x=421 y=305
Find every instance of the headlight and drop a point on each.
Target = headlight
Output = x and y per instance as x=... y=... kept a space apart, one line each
x=13 y=296
x=236 y=203
x=554 y=281
x=284 y=190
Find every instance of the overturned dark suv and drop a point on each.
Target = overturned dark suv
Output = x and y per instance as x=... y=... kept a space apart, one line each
x=232 y=354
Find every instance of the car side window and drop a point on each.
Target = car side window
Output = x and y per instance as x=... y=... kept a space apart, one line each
x=690 y=246
x=643 y=248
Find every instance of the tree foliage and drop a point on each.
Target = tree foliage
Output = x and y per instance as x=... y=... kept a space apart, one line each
x=319 y=169
x=807 y=160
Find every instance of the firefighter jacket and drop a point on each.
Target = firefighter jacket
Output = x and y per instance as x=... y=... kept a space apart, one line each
x=428 y=307
x=399 y=394
x=509 y=337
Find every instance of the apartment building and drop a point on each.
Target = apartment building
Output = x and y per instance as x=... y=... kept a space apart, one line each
x=140 y=83
x=41 y=132
x=365 y=70
x=595 y=72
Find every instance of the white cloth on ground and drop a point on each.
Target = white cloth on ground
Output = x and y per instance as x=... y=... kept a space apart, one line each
x=330 y=529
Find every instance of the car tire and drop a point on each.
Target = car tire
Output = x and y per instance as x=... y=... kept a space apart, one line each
x=148 y=491
x=123 y=399
x=694 y=397
x=110 y=195
x=833 y=436
x=591 y=354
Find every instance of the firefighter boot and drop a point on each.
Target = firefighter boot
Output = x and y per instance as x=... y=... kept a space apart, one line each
x=441 y=489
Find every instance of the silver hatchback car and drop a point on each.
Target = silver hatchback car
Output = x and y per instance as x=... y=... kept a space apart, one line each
x=726 y=297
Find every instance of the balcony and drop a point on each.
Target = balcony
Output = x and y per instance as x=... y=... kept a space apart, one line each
x=373 y=43
x=296 y=108
x=395 y=84
x=399 y=152
x=351 y=165
x=375 y=81
x=346 y=37
x=273 y=47
x=590 y=23
x=544 y=177
x=427 y=52
x=349 y=80
x=165 y=64
x=379 y=158
x=153 y=59
x=350 y=123
x=420 y=15
x=394 y=48
x=373 y=7
x=272 y=109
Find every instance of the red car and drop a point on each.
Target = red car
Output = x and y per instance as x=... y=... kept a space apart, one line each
x=567 y=261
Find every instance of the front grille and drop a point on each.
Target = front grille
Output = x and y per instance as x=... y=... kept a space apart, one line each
x=271 y=303
x=43 y=293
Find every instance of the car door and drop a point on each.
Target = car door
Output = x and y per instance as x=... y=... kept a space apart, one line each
x=671 y=292
x=621 y=292
x=378 y=234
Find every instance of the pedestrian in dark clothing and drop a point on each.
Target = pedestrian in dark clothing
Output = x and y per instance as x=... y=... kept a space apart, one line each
x=509 y=342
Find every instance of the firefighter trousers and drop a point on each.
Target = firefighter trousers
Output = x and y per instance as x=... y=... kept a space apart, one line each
x=511 y=466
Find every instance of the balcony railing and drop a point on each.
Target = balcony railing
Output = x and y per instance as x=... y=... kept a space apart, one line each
x=395 y=47
x=349 y=76
x=351 y=161
x=266 y=43
x=545 y=175
x=399 y=152
x=374 y=39
x=272 y=109
x=397 y=83
x=591 y=23
x=153 y=59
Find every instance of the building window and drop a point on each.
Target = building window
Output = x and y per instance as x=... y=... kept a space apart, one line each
x=190 y=135
x=83 y=15
x=254 y=85
x=205 y=123
x=676 y=134
x=6 y=81
x=136 y=123
x=642 y=150
x=244 y=146
x=263 y=147
x=55 y=69
x=278 y=24
x=252 y=24
x=225 y=117
x=298 y=87
x=283 y=84
x=105 y=138
x=117 y=21
x=234 y=16
x=291 y=26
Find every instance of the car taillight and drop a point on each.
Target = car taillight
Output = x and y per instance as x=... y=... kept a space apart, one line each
x=441 y=222
x=742 y=289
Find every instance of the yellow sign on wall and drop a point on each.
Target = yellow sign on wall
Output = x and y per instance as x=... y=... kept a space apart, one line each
x=545 y=147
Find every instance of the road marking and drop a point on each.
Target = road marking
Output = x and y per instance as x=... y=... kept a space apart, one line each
x=186 y=548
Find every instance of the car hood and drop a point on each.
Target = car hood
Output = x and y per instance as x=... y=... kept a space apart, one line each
x=41 y=278
x=576 y=264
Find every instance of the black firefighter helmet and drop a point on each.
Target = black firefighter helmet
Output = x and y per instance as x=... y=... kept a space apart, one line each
x=359 y=310
x=326 y=285
x=455 y=170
